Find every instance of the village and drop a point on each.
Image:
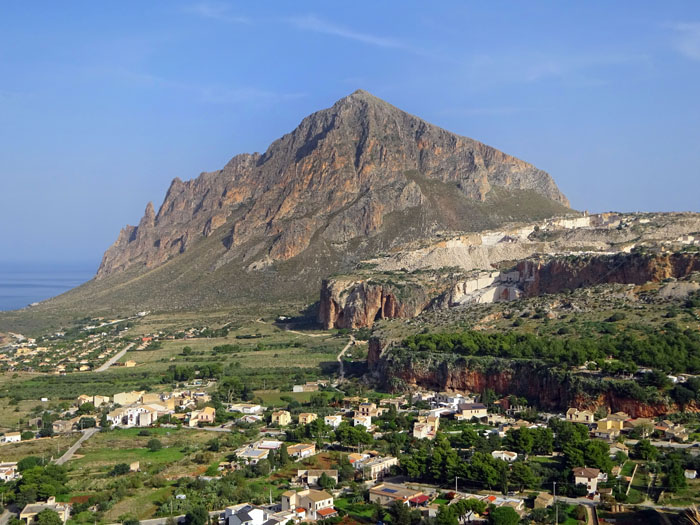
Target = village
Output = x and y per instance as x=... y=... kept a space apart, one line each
x=404 y=450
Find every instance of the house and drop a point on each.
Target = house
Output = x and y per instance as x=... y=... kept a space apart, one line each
x=587 y=477
x=368 y=410
x=301 y=450
x=607 y=435
x=82 y=399
x=269 y=444
x=574 y=415
x=616 y=448
x=307 y=417
x=134 y=416
x=312 y=501
x=451 y=401
x=690 y=474
x=388 y=493
x=426 y=427
x=544 y=500
x=245 y=514
x=246 y=408
x=333 y=421
x=30 y=511
x=610 y=423
x=375 y=467
x=311 y=477
x=250 y=418
x=281 y=418
x=128 y=398
x=364 y=421
x=206 y=416
x=467 y=411
x=505 y=455
x=11 y=437
x=8 y=471
x=100 y=400
x=61 y=426
x=252 y=455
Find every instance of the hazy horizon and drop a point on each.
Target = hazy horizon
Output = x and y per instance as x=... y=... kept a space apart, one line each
x=103 y=105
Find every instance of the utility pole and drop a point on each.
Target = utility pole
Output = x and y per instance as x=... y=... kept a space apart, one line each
x=554 y=501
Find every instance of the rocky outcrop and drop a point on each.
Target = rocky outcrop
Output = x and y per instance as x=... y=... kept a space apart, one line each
x=568 y=273
x=543 y=386
x=339 y=176
x=355 y=303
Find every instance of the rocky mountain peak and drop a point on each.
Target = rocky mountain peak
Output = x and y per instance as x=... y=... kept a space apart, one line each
x=361 y=172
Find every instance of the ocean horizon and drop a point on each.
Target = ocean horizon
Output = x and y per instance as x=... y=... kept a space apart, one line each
x=22 y=284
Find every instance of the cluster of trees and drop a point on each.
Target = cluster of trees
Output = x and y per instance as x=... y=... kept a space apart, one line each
x=187 y=373
x=38 y=482
x=670 y=350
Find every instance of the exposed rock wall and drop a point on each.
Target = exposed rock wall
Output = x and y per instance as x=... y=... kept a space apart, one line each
x=348 y=303
x=544 y=387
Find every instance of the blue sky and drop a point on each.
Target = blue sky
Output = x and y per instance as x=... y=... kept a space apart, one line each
x=102 y=104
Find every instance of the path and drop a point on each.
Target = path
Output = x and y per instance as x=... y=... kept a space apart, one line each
x=69 y=453
x=115 y=358
x=292 y=331
x=341 y=376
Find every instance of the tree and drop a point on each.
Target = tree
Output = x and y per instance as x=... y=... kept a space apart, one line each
x=446 y=516
x=675 y=479
x=400 y=514
x=27 y=434
x=48 y=517
x=378 y=513
x=522 y=477
x=643 y=449
x=504 y=516
x=119 y=469
x=154 y=445
x=326 y=482
x=197 y=515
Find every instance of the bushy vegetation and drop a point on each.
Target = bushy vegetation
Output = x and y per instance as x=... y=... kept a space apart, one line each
x=671 y=350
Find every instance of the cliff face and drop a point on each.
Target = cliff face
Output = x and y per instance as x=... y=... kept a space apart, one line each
x=355 y=303
x=543 y=387
x=335 y=178
x=540 y=277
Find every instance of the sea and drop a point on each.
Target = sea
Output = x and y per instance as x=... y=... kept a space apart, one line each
x=22 y=284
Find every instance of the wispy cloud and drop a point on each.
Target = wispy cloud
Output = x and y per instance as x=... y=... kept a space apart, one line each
x=686 y=39
x=204 y=93
x=215 y=11
x=314 y=23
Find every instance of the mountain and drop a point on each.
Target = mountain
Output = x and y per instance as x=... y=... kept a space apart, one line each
x=350 y=181
x=336 y=177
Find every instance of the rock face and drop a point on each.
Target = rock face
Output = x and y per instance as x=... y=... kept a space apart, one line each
x=356 y=303
x=339 y=176
x=541 y=384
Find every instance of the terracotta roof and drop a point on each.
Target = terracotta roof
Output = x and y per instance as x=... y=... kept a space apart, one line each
x=327 y=512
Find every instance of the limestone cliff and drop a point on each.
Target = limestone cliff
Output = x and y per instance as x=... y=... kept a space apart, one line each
x=356 y=301
x=342 y=174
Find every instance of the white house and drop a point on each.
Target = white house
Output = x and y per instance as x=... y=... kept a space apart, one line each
x=245 y=514
x=365 y=421
x=505 y=455
x=587 y=477
x=12 y=437
x=333 y=421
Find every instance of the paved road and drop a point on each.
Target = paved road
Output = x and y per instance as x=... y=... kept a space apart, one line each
x=5 y=517
x=341 y=376
x=115 y=358
x=87 y=434
x=180 y=519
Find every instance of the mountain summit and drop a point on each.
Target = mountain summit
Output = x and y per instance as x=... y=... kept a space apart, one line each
x=362 y=171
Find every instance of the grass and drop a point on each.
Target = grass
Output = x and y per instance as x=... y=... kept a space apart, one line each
x=44 y=447
x=274 y=398
x=356 y=510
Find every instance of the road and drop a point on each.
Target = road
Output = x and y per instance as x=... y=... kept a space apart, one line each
x=87 y=434
x=115 y=358
x=180 y=519
x=5 y=517
x=341 y=375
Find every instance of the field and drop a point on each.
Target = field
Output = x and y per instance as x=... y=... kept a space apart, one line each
x=44 y=448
